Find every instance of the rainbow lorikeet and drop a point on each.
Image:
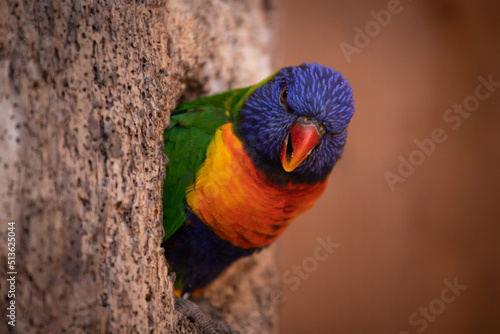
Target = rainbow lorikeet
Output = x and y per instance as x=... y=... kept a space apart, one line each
x=244 y=163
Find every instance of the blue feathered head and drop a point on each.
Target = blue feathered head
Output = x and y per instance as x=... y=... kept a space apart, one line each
x=294 y=126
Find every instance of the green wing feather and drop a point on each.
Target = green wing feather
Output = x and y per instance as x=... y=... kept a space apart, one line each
x=192 y=126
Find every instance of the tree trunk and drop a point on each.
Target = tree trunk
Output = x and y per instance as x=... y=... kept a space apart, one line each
x=85 y=94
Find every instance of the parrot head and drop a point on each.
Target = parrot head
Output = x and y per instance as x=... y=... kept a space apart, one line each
x=294 y=125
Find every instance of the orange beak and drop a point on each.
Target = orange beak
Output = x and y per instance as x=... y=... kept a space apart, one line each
x=299 y=143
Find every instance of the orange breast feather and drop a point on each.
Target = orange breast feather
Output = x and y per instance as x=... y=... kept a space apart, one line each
x=238 y=202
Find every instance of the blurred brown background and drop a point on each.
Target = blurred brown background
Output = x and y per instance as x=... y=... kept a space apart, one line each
x=398 y=247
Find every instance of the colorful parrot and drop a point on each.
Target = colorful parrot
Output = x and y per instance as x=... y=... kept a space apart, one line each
x=244 y=163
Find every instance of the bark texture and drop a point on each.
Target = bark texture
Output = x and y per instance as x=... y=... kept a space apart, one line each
x=85 y=94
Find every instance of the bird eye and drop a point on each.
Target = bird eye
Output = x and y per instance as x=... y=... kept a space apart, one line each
x=283 y=97
x=335 y=134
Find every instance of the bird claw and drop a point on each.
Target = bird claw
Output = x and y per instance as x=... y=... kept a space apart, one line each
x=193 y=312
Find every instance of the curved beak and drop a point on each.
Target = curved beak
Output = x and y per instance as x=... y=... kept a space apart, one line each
x=301 y=140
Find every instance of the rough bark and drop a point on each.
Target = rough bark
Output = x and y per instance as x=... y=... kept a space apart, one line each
x=85 y=94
